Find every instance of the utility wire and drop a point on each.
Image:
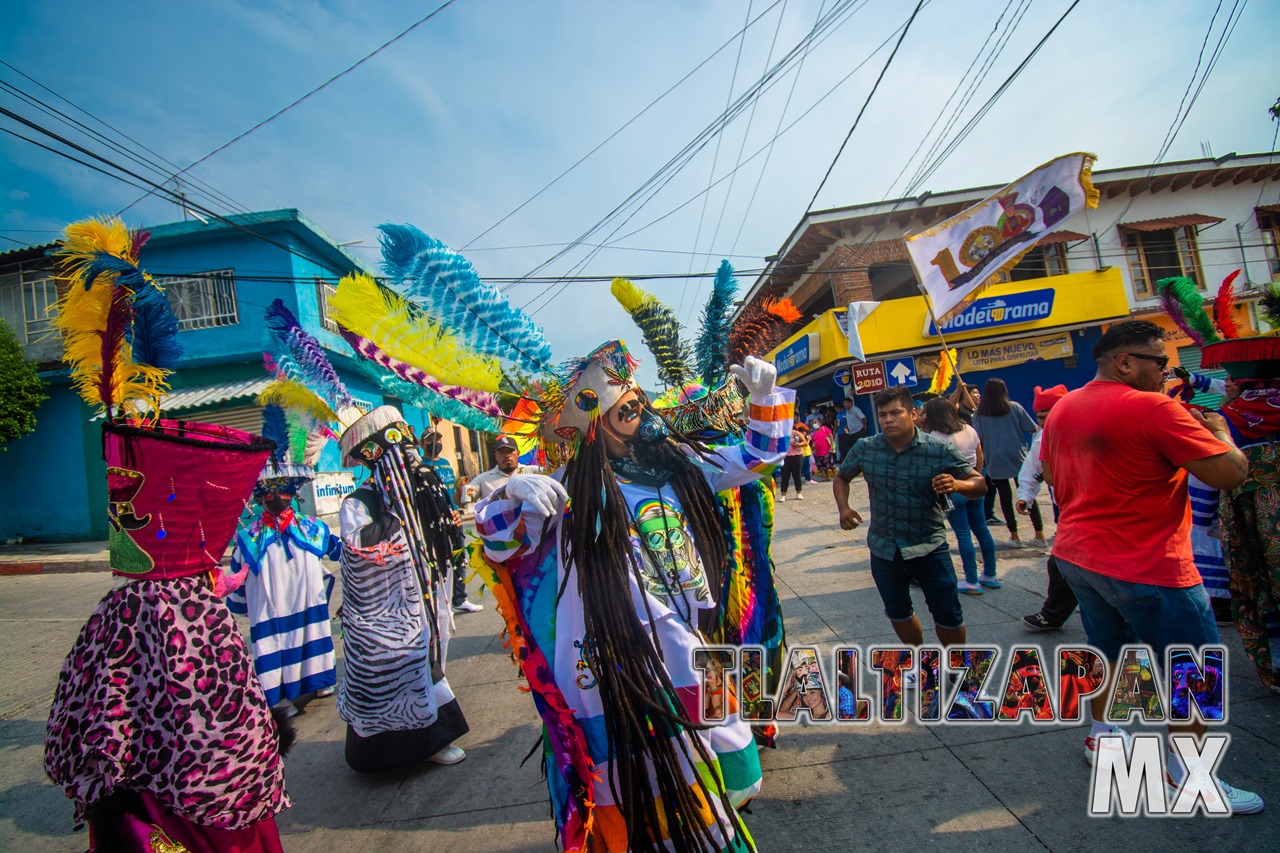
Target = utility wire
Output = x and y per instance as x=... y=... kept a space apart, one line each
x=1180 y=116
x=715 y=158
x=865 y=104
x=665 y=173
x=224 y=146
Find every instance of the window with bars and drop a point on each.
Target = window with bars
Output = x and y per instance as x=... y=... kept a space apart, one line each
x=1159 y=254
x=39 y=295
x=1269 y=224
x=203 y=301
x=325 y=291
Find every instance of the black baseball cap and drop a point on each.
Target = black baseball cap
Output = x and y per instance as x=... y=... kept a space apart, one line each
x=505 y=442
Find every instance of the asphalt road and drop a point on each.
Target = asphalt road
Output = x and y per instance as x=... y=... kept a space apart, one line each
x=882 y=786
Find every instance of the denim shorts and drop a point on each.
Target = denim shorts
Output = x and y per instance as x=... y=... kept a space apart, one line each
x=1117 y=613
x=937 y=577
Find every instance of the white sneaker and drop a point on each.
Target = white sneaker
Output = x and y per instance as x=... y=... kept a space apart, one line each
x=1238 y=800
x=1039 y=542
x=449 y=755
x=1091 y=744
x=326 y=691
x=799 y=496
x=782 y=498
x=467 y=607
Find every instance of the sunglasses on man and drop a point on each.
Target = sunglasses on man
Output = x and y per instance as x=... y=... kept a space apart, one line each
x=1162 y=361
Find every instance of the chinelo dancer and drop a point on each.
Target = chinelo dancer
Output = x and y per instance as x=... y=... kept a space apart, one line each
x=397 y=550
x=158 y=732
x=276 y=577
x=603 y=572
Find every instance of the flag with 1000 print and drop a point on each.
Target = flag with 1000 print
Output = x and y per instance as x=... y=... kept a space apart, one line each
x=955 y=258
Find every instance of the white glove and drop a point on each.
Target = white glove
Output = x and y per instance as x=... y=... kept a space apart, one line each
x=544 y=495
x=758 y=375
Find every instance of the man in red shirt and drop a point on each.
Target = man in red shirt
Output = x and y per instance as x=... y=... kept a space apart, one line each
x=1121 y=451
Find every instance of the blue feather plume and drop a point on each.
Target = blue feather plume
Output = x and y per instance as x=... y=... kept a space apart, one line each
x=450 y=289
x=300 y=357
x=713 y=340
x=276 y=427
x=424 y=398
x=153 y=327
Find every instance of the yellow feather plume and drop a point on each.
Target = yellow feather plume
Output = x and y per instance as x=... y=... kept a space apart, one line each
x=84 y=316
x=628 y=295
x=946 y=370
x=295 y=397
x=405 y=334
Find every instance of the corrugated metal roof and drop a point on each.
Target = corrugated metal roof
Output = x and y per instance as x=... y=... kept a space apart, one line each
x=1062 y=237
x=208 y=395
x=200 y=396
x=1172 y=222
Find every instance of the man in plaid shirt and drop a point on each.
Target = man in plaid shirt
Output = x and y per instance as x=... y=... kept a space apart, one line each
x=908 y=473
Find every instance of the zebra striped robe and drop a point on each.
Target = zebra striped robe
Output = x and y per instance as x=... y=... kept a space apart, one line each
x=398 y=708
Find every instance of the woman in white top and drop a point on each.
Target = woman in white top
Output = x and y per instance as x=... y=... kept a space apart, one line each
x=941 y=419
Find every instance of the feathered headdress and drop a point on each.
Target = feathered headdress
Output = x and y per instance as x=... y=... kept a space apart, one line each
x=314 y=402
x=713 y=340
x=761 y=327
x=393 y=332
x=1182 y=301
x=1222 y=305
x=660 y=329
x=119 y=333
x=448 y=288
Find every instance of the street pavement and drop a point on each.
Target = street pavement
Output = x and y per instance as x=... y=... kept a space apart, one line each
x=878 y=786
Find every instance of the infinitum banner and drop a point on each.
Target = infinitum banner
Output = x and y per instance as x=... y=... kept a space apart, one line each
x=1007 y=353
x=956 y=257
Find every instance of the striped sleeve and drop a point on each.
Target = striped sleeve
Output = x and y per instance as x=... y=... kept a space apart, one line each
x=764 y=444
x=508 y=528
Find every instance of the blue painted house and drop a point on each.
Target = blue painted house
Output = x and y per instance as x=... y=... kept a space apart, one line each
x=220 y=278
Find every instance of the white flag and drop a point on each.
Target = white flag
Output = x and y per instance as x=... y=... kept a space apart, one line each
x=954 y=258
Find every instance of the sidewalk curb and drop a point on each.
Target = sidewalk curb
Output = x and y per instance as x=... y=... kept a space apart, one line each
x=53 y=567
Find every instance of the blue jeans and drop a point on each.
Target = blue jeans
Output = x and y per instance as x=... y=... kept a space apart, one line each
x=937 y=576
x=969 y=516
x=1118 y=613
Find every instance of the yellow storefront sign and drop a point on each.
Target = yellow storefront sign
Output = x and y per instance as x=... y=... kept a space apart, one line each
x=1007 y=353
x=903 y=326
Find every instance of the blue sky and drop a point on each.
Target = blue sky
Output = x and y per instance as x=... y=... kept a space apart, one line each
x=469 y=115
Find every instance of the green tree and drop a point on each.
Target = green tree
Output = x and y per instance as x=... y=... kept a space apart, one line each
x=21 y=391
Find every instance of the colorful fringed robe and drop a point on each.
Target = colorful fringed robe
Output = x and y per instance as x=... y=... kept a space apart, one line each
x=520 y=560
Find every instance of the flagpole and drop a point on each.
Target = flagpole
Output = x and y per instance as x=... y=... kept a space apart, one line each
x=937 y=326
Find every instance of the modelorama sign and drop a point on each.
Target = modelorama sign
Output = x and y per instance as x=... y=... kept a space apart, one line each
x=995 y=311
x=1194 y=689
x=1006 y=353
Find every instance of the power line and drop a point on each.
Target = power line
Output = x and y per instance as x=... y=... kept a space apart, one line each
x=681 y=158
x=865 y=104
x=225 y=199
x=621 y=128
x=224 y=146
x=715 y=158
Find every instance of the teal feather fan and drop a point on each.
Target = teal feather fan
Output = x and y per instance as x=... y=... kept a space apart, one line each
x=713 y=340
x=445 y=284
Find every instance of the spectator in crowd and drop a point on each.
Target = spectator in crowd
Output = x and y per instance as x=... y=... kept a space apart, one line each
x=1060 y=602
x=432 y=445
x=824 y=450
x=506 y=461
x=853 y=426
x=941 y=419
x=791 y=466
x=1002 y=424
x=908 y=473
x=1117 y=453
